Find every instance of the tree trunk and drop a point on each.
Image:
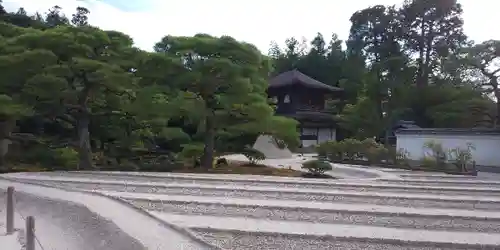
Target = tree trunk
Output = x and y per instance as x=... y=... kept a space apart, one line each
x=4 y=148
x=208 y=151
x=84 y=150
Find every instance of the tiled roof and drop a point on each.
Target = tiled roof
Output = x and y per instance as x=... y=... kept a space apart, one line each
x=450 y=131
x=296 y=77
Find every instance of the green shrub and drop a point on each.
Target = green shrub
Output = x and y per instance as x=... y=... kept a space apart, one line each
x=373 y=151
x=65 y=158
x=52 y=159
x=316 y=167
x=376 y=154
x=368 y=143
x=429 y=163
x=351 y=149
x=165 y=167
x=332 y=150
x=322 y=149
x=461 y=157
x=192 y=152
x=402 y=158
x=38 y=154
x=437 y=153
x=125 y=165
x=253 y=155
x=162 y=163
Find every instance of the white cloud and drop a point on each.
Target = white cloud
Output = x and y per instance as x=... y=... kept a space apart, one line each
x=257 y=22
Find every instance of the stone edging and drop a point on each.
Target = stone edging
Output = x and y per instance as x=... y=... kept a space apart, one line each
x=323 y=210
x=331 y=184
x=350 y=239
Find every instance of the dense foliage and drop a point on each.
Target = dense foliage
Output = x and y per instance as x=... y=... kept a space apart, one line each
x=75 y=95
x=89 y=98
x=369 y=152
x=408 y=62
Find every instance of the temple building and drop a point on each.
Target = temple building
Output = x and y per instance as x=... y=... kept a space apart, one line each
x=303 y=98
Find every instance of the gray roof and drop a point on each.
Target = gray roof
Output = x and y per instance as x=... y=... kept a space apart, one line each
x=450 y=131
x=402 y=124
x=296 y=77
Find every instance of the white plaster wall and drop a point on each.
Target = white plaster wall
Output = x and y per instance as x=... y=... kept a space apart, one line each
x=308 y=143
x=309 y=131
x=326 y=134
x=487 y=152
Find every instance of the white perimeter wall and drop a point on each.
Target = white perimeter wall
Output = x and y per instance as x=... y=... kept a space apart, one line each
x=324 y=134
x=487 y=152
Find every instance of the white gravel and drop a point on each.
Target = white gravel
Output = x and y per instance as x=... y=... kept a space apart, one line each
x=358 y=208
x=75 y=226
x=339 y=170
x=9 y=242
x=246 y=212
x=251 y=241
x=468 y=183
x=376 y=198
x=343 y=216
x=323 y=185
x=331 y=230
x=127 y=219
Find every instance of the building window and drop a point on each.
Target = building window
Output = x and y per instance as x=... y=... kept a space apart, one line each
x=309 y=131
x=287 y=99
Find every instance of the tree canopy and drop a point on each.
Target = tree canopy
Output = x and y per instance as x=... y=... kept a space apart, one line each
x=76 y=95
x=408 y=62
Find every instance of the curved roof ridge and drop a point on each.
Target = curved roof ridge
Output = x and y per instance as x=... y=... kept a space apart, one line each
x=295 y=76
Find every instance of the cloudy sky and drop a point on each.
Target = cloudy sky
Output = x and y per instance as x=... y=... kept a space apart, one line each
x=258 y=21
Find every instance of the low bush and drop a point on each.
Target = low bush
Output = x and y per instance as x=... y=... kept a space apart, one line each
x=368 y=151
x=429 y=163
x=50 y=158
x=162 y=163
x=461 y=157
x=372 y=151
x=436 y=152
x=352 y=150
x=253 y=155
x=65 y=158
x=377 y=154
x=158 y=167
x=192 y=153
x=316 y=167
x=125 y=165
x=331 y=150
x=452 y=160
x=401 y=157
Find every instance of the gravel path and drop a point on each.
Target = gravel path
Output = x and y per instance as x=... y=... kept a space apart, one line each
x=152 y=233
x=318 y=216
x=205 y=180
x=252 y=241
x=76 y=227
x=361 y=233
x=444 y=183
x=375 y=198
x=246 y=213
x=341 y=186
